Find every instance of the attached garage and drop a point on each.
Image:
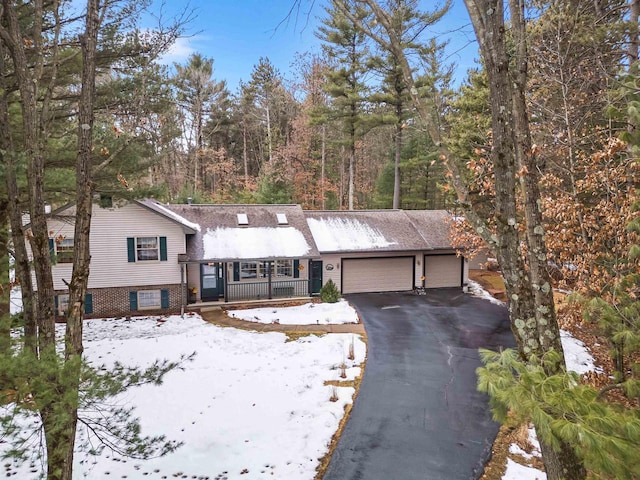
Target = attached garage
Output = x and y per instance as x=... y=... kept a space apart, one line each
x=387 y=274
x=443 y=271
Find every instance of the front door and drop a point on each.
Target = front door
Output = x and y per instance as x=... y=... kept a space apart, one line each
x=211 y=281
x=316 y=276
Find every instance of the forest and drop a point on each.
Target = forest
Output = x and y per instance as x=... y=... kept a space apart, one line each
x=537 y=150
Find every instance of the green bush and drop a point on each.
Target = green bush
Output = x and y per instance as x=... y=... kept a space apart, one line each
x=329 y=292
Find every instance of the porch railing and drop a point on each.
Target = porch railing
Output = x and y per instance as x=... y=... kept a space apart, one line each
x=267 y=290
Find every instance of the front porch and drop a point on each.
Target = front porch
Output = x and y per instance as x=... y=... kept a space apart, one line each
x=224 y=281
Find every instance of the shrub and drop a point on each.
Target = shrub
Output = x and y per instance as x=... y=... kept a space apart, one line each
x=329 y=292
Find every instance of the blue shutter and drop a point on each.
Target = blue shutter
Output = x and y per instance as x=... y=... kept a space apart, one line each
x=163 y=249
x=55 y=304
x=133 y=300
x=296 y=268
x=164 y=298
x=88 y=303
x=236 y=271
x=131 y=249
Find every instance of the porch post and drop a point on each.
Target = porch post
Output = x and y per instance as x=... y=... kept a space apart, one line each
x=269 y=280
x=225 y=278
x=182 y=289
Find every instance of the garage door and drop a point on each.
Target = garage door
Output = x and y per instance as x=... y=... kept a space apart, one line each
x=442 y=271
x=390 y=274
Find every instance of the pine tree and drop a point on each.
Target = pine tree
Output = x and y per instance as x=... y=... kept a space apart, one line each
x=38 y=77
x=346 y=50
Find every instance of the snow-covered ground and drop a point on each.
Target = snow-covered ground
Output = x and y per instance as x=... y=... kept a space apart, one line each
x=307 y=314
x=250 y=406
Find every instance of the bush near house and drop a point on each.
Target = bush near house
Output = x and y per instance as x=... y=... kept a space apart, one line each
x=329 y=292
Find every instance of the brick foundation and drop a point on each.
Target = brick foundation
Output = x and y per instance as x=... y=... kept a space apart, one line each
x=114 y=302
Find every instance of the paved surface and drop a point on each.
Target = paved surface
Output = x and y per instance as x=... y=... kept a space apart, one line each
x=418 y=414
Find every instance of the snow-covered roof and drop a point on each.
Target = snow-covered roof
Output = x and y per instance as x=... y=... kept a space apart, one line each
x=222 y=237
x=333 y=234
x=215 y=232
x=166 y=212
x=173 y=215
x=254 y=243
x=377 y=230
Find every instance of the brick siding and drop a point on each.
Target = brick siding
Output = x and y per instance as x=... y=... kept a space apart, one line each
x=114 y=301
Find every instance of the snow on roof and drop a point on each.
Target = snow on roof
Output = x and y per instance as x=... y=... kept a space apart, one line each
x=336 y=233
x=253 y=243
x=175 y=216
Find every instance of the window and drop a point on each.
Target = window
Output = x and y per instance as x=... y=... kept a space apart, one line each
x=62 y=304
x=248 y=270
x=282 y=219
x=149 y=299
x=140 y=249
x=243 y=219
x=284 y=268
x=147 y=248
x=64 y=249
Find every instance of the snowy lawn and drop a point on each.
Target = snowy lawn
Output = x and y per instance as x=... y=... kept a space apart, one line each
x=250 y=406
x=307 y=314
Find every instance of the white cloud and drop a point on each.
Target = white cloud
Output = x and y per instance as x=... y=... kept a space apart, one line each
x=179 y=52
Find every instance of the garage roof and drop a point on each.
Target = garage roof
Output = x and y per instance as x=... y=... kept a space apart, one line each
x=379 y=230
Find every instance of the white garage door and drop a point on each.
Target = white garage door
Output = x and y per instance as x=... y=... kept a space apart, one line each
x=442 y=271
x=390 y=274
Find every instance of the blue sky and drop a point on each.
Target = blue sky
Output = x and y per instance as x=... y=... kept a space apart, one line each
x=236 y=33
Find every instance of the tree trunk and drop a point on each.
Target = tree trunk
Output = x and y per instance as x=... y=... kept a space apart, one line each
x=33 y=128
x=529 y=290
x=5 y=286
x=352 y=161
x=396 y=165
x=322 y=166
x=245 y=155
x=64 y=438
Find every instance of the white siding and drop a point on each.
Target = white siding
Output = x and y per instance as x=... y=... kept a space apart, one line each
x=110 y=267
x=442 y=271
x=391 y=274
x=193 y=277
x=333 y=274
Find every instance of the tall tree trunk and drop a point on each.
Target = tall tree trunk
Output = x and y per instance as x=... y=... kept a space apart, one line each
x=28 y=82
x=269 y=136
x=21 y=264
x=245 y=156
x=396 y=164
x=533 y=316
x=351 y=187
x=323 y=164
x=81 y=258
x=528 y=289
x=5 y=285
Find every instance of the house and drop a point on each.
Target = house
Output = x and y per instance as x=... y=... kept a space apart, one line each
x=150 y=257
x=134 y=259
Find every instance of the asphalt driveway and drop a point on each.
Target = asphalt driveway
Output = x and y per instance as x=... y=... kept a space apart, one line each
x=418 y=414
